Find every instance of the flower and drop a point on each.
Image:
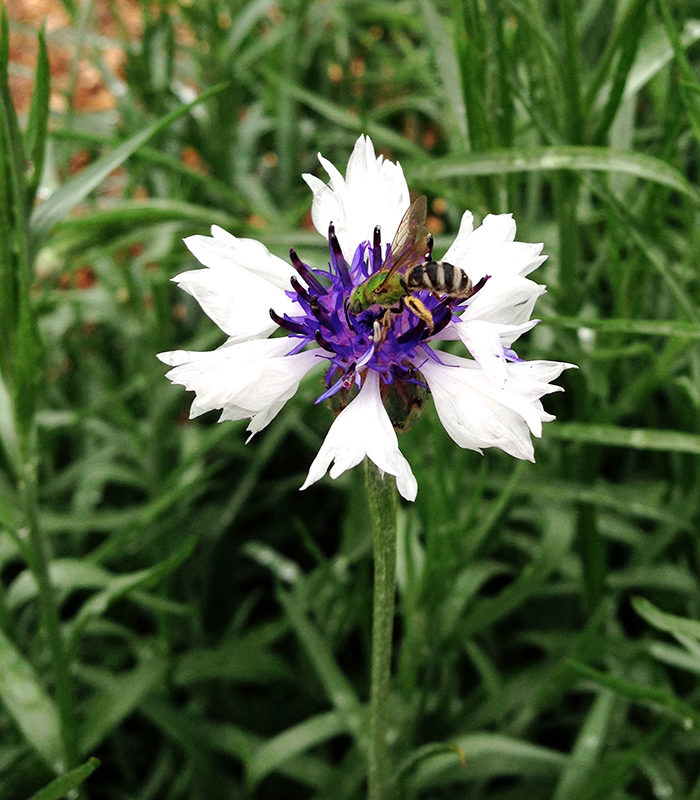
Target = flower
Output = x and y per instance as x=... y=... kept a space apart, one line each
x=377 y=338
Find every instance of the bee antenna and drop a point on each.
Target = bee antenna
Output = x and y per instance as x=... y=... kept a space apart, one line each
x=377 y=248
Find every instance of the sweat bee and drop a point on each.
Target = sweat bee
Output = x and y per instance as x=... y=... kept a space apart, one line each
x=409 y=268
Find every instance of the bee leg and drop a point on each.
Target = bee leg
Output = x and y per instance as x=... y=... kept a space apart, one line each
x=380 y=328
x=415 y=305
x=399 y=308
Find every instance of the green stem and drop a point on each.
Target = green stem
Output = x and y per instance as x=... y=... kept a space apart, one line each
x=38 y=560
x=383 y=504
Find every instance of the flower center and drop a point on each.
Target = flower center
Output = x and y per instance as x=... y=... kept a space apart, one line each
x=354 y=334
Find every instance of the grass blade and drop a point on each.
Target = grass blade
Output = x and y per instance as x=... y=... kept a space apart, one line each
x=64 y=785
x=28 y=704
x=61 y=202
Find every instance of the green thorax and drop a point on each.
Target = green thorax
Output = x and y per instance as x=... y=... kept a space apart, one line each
x=377 y=290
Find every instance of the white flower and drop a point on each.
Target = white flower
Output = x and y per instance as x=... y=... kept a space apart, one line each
x=384 y=349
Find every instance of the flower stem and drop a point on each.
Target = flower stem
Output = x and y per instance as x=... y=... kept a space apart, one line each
x=37 y=556
x=383 y=504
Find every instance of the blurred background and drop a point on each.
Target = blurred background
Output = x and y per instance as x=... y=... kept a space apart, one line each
x=169 y=602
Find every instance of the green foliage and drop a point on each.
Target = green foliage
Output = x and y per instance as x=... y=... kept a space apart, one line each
x=169 y=602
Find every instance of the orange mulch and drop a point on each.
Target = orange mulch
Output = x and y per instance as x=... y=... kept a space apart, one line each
x=85 y=83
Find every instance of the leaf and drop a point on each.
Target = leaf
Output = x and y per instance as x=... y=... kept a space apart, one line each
x=194 y=734
x=337 y=687
x=292 y=742
x=138 y=213
x=670 y=623
x=448 y=67
x=122 y=585
x=117 y=697
x=28 y=704
x=655 y=53
x=589 y=747
x=544 y=159
x=647 y=695
x=246 y=658
x=64 y=785
x=339 y=115
x=38 y=122
x=630 y=327
x=559 y=531
x=482 y=755
x=62 y=201
x=635 y=438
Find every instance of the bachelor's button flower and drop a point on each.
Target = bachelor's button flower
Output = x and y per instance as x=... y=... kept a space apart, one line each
x=378 y=347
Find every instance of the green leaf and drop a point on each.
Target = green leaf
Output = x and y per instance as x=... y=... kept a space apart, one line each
x=448 y=67
x=678 y=626
x=545 y=159
x=194 y=734
x=655 y=53
x=61 y=202
x=64 y=785
x=123 y=585
x=630 y=327
x=247 y=658
x=138 y=213
x=339 y=115
x=38 y=122
x=482 y=755
x=635 y=438
x=647 y=695
x=28 y=704
x=337 y=687
x=117 y=696
x=292 y=742
x=559 y=531
x=589 y=747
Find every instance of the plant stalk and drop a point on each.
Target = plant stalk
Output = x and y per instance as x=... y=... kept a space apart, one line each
x=383 y=505
x=38 y=560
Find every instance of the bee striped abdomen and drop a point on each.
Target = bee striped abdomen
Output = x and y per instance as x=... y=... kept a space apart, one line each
x=440 y=277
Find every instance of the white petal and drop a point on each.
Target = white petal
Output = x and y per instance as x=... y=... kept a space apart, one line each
x=505 y=300
x=483 y=341
x=242 y=283
x=224 y=250
x=490 y=249
x=363 y=429
x=238 y=301
x=373 y=192
x=476 y=413
x=506 y=333
x=244 y=379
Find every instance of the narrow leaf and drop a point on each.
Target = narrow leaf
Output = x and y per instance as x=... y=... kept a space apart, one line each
x=292 y=742
x=631 y=327
x=28 y=704
x=635 y=438
x=337 y=687
x=678 y=626
x=483 y=755
x=543 y=159
x=448 y=67
x=65 y=784
x=117 y=697
x=38 y=122
x=61 y=202
x=643 y=694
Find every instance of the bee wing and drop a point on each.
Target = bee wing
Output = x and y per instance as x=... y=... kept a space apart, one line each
x=411 y=242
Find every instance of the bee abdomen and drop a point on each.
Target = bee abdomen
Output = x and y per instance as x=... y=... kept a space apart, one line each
x=439 y=276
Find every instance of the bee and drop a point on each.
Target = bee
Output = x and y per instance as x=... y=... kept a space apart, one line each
x=409 y=268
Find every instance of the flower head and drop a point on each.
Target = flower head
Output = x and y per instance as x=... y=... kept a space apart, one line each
x=373 y=320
